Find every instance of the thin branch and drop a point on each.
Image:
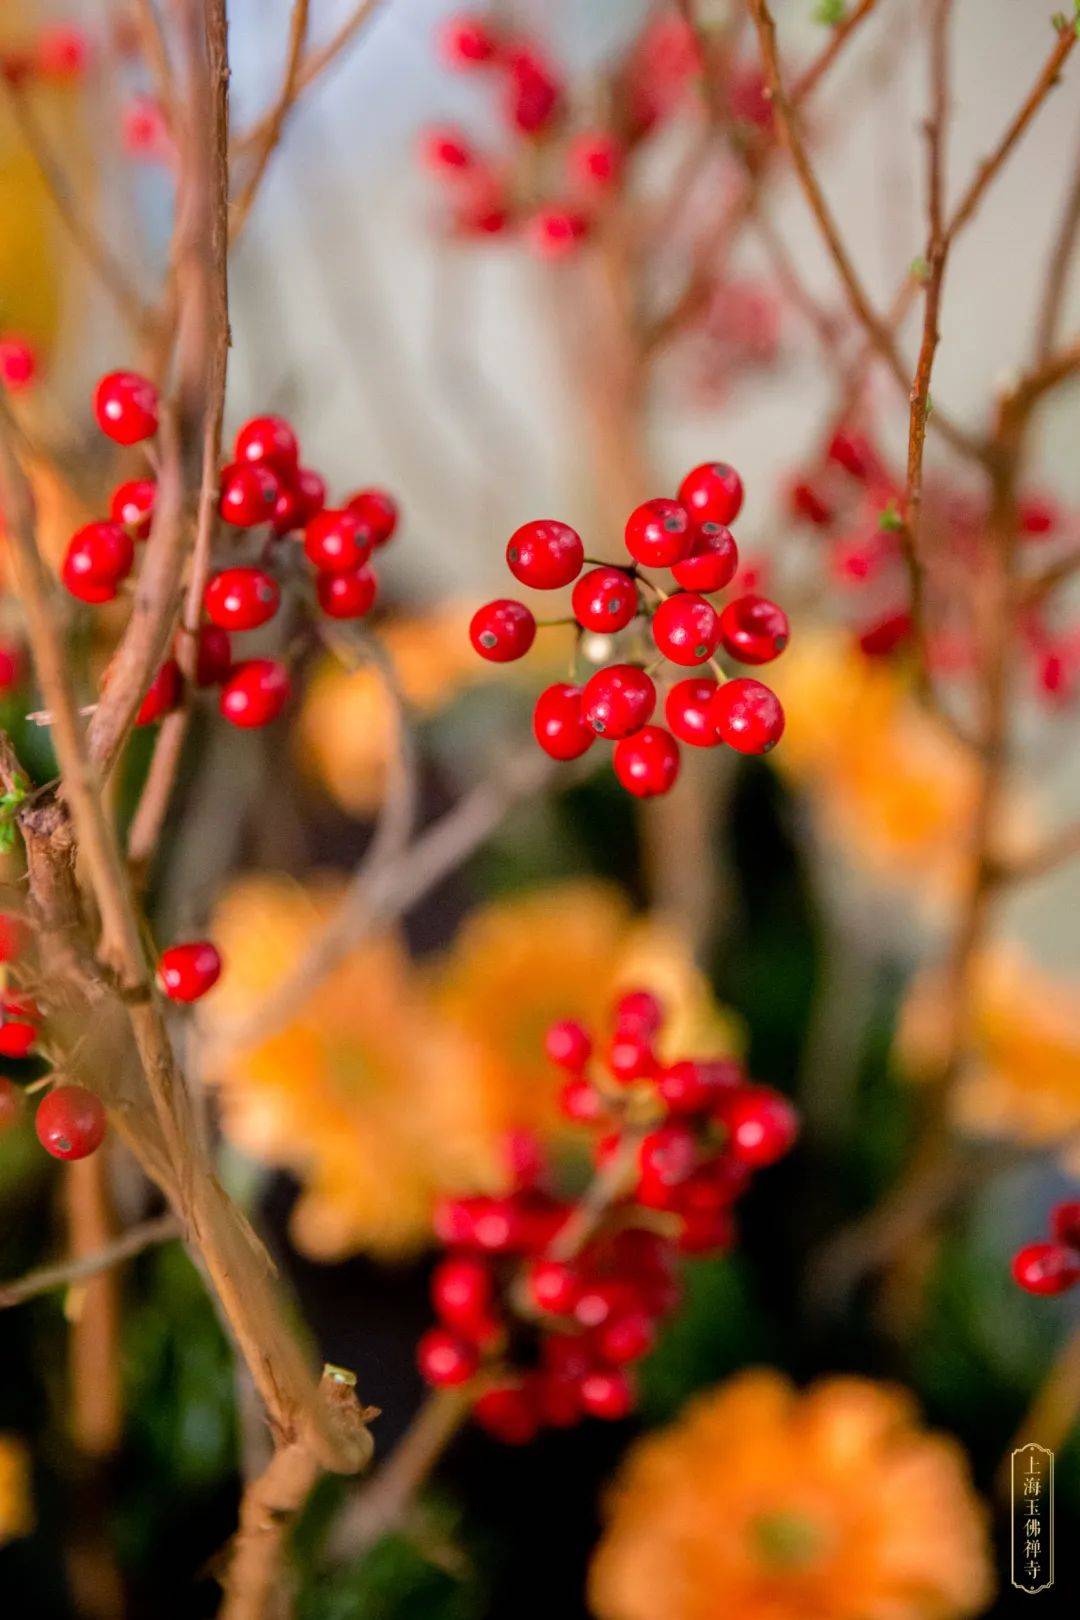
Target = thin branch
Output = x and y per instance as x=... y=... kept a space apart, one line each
x=275 y=119
x=156 y=52
x=68 y=1272
x=1057 y=274
x=808 y=80
x=312 y=67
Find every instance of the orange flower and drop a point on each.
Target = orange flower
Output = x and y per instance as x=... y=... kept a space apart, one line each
x=16 y=1511
x=365 y=1095
x=519 y=964
x=763 y=1503
x=1022 y=1074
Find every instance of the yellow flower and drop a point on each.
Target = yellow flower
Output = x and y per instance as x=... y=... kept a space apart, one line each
x=16 y=1510
x=365 y=1095
x=519 y=964
x=894 y=790
x=764 y=1503
x=1021 y=1077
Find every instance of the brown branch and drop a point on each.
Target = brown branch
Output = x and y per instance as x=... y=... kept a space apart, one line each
x=1052 y=1415
x=312 y=67
x=67 y=1273
x=1058 y=850
x=1057 y=273
x=275 y=119
x=156 y=52
x=808 y=80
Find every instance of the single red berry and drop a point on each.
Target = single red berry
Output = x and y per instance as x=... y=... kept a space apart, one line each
x=607 y=1393
x=126 y=407
x=668 y=1154
x=685 y=1087
x=885 y=635
x=762 y=1125
x=162 y=695
x=602 y=1298
x=1036 y=515
x=241 y=598
x=18 y=1028
x=462 y=1291
x=618 y=700
x=255 y=693
x=554 y=1286
x=445 y=1359
x=186 y=972
x=336 y=542
x=647 y=764
x=83 y=586
x=132 y=505
x=508 y=1412
x=712 y=493
x=62 y=53
x=11 y=1104
x=638 y=1012
x=713 y=561
x=754 y=630
x=747 y=716
x=594 y=160
x=534 y=97
x=446 y=151
x=145 y=132
x=626 y=1338
x=855 y=453
x=630 y=1056
x=1046 y=1268
x=604 y=599
x=554 y=232
x=98 y=557
x=18 y=362
x=12 y=671
x=466 y=41
x=686 y=628
x=299 y=500
x=1065 y=1222
x=557 y=722
x=579 y=1100
x=658 y=533
x=249 y=494
x=807 y=502
x=502 y=630
x=377 y=513
x=213 y=660
x=349 y=595
x=269 y=441
x=686 y=710
x=70 y=1122
x=545 y=554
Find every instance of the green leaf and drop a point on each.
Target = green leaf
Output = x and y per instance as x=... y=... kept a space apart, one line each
x=829 y=12
x=919 y=269
x=890 y=520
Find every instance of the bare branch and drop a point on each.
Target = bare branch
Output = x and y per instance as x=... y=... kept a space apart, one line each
x=130 y=1243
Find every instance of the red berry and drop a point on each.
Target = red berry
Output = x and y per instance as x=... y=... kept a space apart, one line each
x=70 y=1122
x=855 y=453
x=446 y=151
x=713 y=561
x=658 y=533
x=82 y=585
x=685 y=1087
x=668 y=1154
x=712 y=493
x=534 y=97
x=602 y=1299
x=446 y=1359
x=618 y=700
x=594 y=160
x=607 y=1393
x=554 y=1286
x=508 y=1413
x=126 y=407
x=62 y=53
x=11 y=1104
x=12 y=671
x=1037 y=516
x=545 y=554
x=162 y=695
x=762 y=1125
x=465 y=41
x=638 y=1012
x=98 y=557
x=686 y=629
x=376 y=511
x=686 y=710
x=241 y=598
x=299 y=500
x=349 y=595
x=604 y=599
x=255 y=693
x=18 y=362
x=1065 y=1222
x=553 y=233
x=502 y=630
x=885 y=635
x=213 y=660
x=807 y=502
x=186 y=972
x=747 y=716
x=336 y=542
x=462 y=1290
x=630 y=1056
x=269 y=441
x=249 y=494
x=754 y=630
x=647 y=763
x=18 y=1029
x=626 y=1338
x=557 y=722
x=580 y=1101
x=132 y=505
x=1046 y=1268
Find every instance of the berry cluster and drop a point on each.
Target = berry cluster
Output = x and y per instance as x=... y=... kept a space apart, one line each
x=544 y=1304
x=622 y=613
x=265 y=488
x=1052 y=1267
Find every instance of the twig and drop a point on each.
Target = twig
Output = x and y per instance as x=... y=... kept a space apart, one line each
x=68 y=1272
x=313 y=65
x=1050 y=1418
x=1057 y=274
x=807 y=81
x=275 y=119
x=156 y=52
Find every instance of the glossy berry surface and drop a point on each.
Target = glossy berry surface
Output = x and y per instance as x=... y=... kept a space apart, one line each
x=748 y=716
x=618 y=700
x=686 y=629
x=18 y=1029
x=687 y=711
x=761 y=1124
x=336 y=542
x=607 y=1393
x=558 y=724
x=255 y=693
x=568 y=1044
x=377 y=513
x=712 y=493
x=445 y=1358
x=270 y=441
x=754 y=630
x=713 y=561
x=604 y=600
x=1046 y=1268
x=241 y=598
x=132 y=504
x=299 y=499
x=502 y=630
x=186 y=972
x=70 y=1122
x=162 y=695
x=126 y=407
x=347 y=595
x=545 y=554
x=647 y=764
x=249 y=494
x=461 y=1291
x=465 y=41
x=98 y=557
x=658 y=533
